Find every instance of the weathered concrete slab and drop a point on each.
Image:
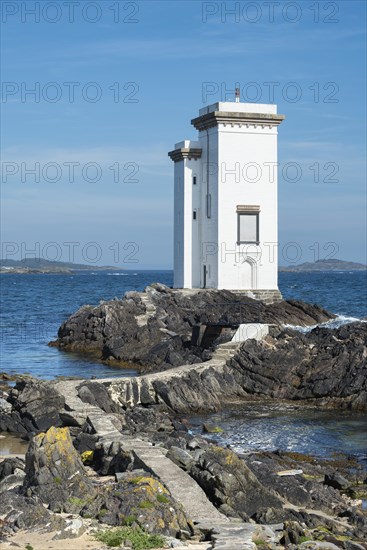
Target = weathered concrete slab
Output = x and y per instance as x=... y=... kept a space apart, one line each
x=245 y=331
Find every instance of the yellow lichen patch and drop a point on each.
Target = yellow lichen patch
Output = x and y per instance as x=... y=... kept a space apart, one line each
x=87 y=457
x=154 y=486
x=55 y=435
x=57 y=441
x=230 y=459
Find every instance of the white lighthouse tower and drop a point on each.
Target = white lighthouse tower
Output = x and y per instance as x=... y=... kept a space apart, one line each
x=225 y=200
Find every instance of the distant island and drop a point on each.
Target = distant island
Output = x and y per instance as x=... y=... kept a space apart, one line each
x=324 y=265
x=39 y=265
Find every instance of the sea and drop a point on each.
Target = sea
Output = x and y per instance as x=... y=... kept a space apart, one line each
x=33 y=306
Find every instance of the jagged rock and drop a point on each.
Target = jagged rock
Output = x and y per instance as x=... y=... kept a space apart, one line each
x=324 y=365
x=9 y=465
x=5 y=406
x=268 y=534
x=292 y=533
x=141 y=499
x=182 y=458
x=96 y=394
x=305 y=490
x=337 y=481
x=35 y=406
x=154 y=328
x=13 y=480
x=226 y=479
x=110 y=458
x=55 y=473
x=148 y=420
x=85 y=442
x=22 y=512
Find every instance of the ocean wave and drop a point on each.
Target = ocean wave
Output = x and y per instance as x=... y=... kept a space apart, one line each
x=339 y=321
x=119 y=274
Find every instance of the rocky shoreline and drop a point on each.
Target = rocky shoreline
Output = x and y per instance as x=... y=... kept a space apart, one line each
x=92 y=464
x=120 y=452
x=159 y=328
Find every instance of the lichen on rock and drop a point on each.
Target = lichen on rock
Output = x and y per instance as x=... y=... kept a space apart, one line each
x=55 y=472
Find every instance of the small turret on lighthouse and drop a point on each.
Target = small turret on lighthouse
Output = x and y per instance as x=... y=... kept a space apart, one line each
x=225 y=200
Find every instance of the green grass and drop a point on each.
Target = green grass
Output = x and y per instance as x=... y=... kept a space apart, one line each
x=146 y=505
x=140 y=539
x=304 y=539
x=162 y=498
x=136 y=480
x=128 y=520
x=77 y=502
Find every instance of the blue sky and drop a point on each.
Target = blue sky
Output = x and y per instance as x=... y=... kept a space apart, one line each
x=120 y=91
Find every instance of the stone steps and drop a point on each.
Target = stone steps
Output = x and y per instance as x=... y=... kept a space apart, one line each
x=150 y=309
x=229 y=346
x=226 y=351
x=101 y=422
x=225 y=534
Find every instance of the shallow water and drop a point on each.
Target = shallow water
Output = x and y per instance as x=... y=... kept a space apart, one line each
x=320 y=433
x=12 y=445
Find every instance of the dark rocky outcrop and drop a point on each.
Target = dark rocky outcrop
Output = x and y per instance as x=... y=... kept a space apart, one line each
x=56 y=477
x=304 y=496
x=325 y=367
x=54 y=471
x=154 y=329
x=97 y=395
x=140 y=498
x=22 y=512
x=32 y=406
x=11 y=474
x=230 y=484
x=128 y=428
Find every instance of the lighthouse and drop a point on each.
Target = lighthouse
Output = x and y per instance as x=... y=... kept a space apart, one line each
x=225 y=200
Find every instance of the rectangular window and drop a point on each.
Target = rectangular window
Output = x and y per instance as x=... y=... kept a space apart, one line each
x=194 y=215
x=194 y=180
x=248 y=228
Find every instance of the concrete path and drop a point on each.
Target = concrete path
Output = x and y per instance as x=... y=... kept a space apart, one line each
x=182 y=487
x=227 y=534
x=129 y=391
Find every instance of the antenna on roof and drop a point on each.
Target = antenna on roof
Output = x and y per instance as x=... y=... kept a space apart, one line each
x=237 y=94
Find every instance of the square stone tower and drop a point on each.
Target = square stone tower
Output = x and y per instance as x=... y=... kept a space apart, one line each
x=225 y=200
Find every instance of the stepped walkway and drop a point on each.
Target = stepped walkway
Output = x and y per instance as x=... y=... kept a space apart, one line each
x=136 y=390
x=225 y=534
